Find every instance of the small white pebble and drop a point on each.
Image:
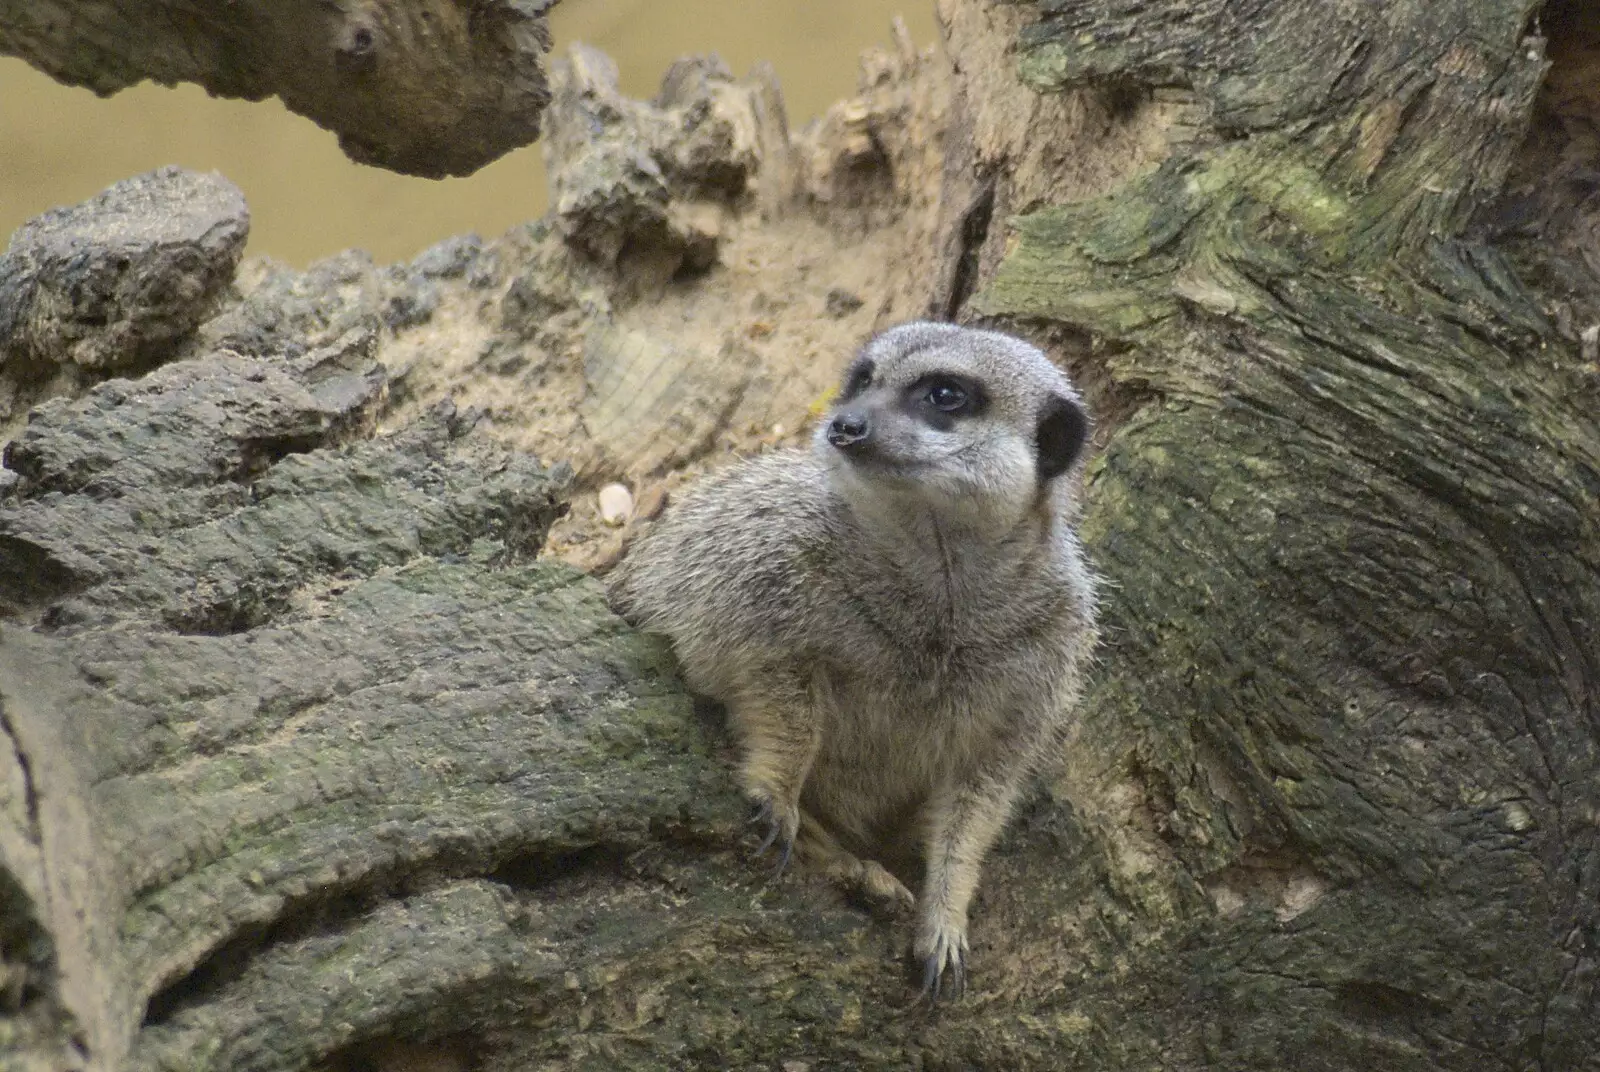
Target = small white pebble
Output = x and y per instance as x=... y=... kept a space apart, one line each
x=777 y=431
x=616 y=504
x=1518 y=818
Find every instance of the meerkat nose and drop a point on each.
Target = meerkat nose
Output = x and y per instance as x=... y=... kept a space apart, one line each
x=848 y=429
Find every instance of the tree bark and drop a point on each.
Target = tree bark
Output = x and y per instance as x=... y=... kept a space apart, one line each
x=424 y=87
x=1343 y=761
x=311 y=763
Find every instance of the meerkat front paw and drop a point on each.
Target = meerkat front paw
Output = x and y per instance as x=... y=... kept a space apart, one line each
x=783 y=825
x=941 y=947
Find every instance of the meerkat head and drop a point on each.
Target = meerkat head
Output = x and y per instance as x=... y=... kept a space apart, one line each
x=971 y=423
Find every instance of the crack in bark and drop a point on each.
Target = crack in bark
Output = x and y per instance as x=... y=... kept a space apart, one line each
x=25 y=765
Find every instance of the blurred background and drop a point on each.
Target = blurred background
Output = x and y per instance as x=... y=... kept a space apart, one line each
x=60 y=145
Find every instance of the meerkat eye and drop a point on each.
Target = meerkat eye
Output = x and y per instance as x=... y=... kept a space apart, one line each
x=947 y=396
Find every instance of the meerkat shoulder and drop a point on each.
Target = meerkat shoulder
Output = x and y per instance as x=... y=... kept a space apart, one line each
x=750 y=537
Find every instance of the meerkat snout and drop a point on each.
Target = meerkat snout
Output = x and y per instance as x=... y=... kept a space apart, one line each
x=897 y=621
x=848 y=430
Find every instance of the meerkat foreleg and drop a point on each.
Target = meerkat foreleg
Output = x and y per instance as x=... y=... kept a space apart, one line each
x=964 y=821
x=777 y=722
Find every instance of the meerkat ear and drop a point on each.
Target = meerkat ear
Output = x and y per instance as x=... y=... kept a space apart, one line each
x=1063 y=431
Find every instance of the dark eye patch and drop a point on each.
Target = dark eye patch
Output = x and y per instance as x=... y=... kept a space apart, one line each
x=940 y=398
x=857 y=378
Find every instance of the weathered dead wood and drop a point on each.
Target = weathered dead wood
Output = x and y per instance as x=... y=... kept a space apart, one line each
x=309 y=764
x=424 y=87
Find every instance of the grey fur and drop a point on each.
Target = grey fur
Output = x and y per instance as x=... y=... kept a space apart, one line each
x=898 y=627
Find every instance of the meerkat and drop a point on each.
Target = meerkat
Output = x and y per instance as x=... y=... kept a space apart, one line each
x=897 y=620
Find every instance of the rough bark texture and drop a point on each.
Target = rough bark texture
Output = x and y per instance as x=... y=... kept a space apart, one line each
x=1349 y=731
x=310 y=763
x=118 y=280
x=424 y=87
x=113 y=285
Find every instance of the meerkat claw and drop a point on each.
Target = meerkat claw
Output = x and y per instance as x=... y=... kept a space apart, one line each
x=783 y=858
x=768 y=841
x=945 y=955
x=777 y=834
x=933 y=986
x=774 y=831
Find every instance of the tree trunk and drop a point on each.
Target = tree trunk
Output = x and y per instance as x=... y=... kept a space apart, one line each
x=1344 y=763
x=423 y=87
x=309 y=765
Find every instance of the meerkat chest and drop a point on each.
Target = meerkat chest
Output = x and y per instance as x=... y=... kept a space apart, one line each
x=889 y=743
x=933 y=670
x=920 y=720
x=954 y=620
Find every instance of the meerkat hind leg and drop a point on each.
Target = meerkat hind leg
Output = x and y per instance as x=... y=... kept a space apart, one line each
x=820 y=850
